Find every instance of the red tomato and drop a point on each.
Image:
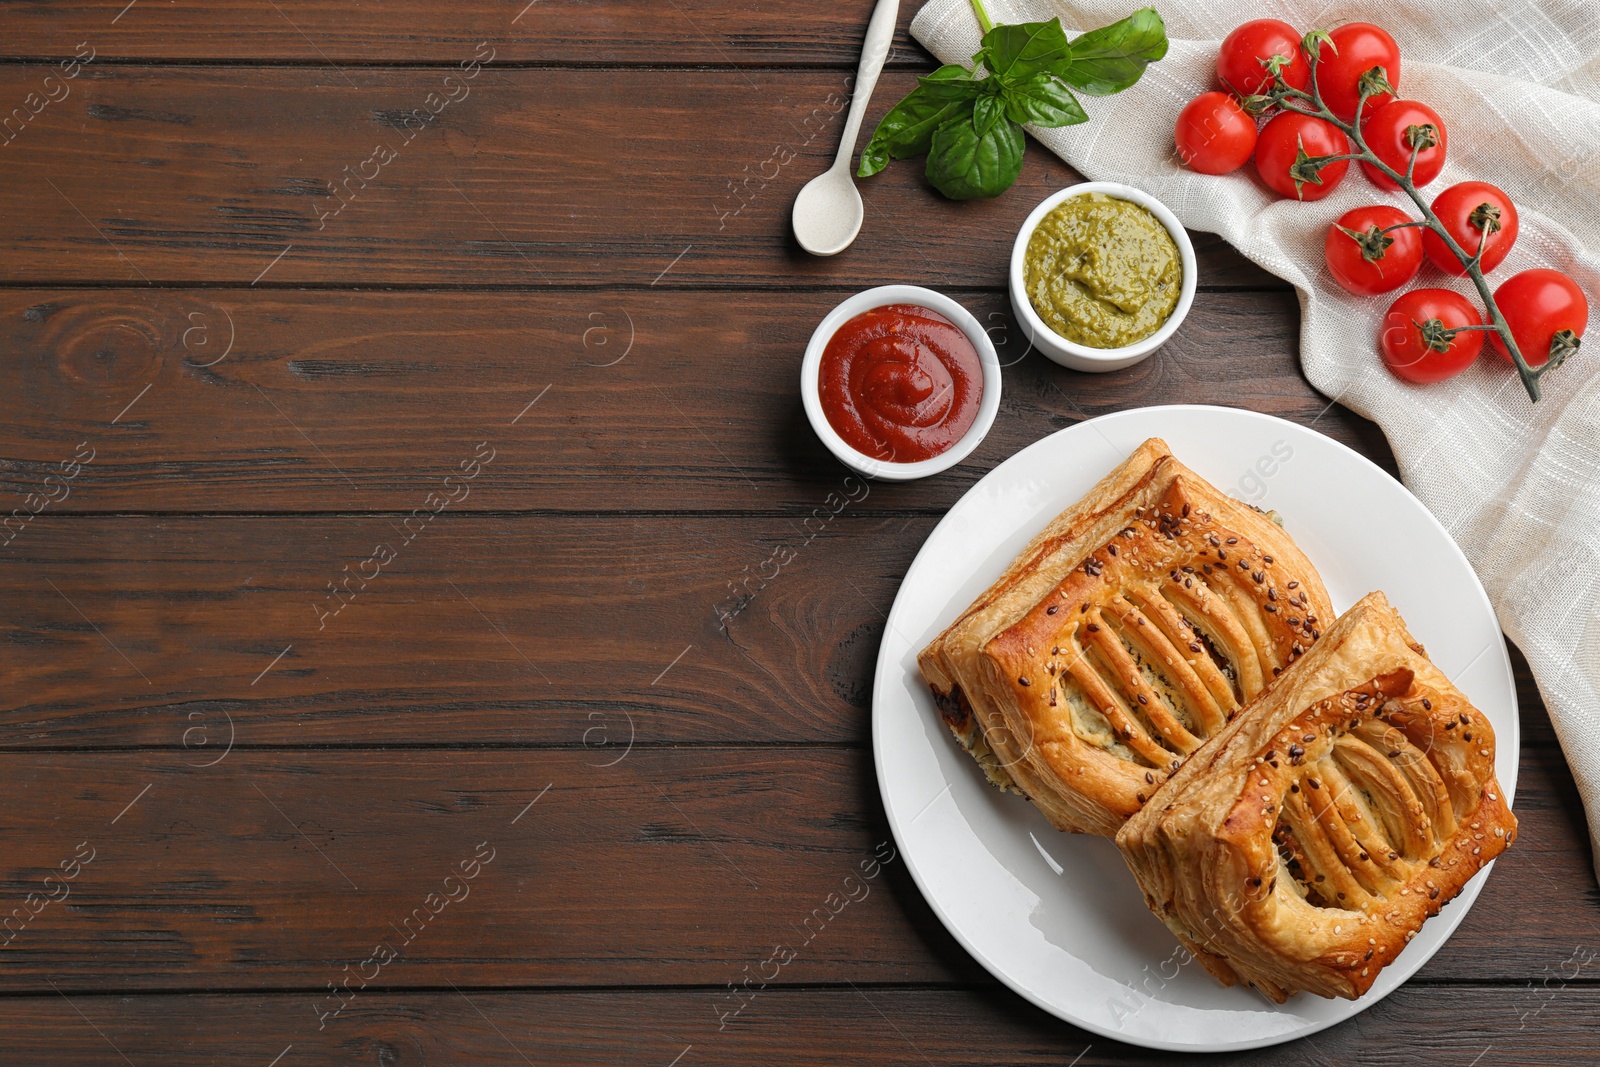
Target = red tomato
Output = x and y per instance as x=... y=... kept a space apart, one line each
x=1465 y=208
x=1385 y=131
x=1242 y=62
x=1281 y=143
x=1537 y=305
x=1412 y=340
x=1367 y=261
x=1214 y=135
x=1357 y=48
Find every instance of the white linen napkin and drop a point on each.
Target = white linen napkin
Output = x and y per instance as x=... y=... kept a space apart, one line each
x=1518 y=86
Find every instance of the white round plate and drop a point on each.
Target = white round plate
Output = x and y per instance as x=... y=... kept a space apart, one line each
x=1058 y=917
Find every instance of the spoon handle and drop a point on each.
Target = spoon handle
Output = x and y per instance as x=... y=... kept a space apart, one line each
x=874 y=51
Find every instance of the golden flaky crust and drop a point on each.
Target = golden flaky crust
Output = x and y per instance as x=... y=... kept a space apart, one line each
x=1306 y=844
x=1132 y=628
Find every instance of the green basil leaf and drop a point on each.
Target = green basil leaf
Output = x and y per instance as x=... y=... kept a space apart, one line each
x=950 y=82
x=1018 y=51
x=907 y=130
x=874 y=158
x=964 y=164
x=1044 y=101
x=1110 y=59
x=986 y=112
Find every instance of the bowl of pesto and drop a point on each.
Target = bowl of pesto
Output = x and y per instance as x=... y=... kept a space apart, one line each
x=1101 y=276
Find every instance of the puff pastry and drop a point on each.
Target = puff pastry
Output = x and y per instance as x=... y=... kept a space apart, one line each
x=1129 y=631
x=1305 y=845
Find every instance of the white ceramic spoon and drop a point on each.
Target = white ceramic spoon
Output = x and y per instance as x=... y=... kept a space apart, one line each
x=828 y=211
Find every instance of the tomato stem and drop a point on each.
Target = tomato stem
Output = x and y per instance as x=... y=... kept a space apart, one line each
x=1281 y=93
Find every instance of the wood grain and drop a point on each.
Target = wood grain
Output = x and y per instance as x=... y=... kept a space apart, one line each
x=700 y=32
x=656 y=401
x=531 y=178
x=1449 y=1027
x=273 y=869
x=482 y=630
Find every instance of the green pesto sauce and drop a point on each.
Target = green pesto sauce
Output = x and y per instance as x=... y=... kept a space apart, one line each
x=1102 y=272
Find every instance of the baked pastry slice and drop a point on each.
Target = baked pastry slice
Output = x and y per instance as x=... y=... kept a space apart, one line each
x=1124 y=635
x=1304 y=846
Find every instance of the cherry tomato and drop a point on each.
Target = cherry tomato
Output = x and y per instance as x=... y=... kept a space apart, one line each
x=1386 y=131
x=1242 y=62
x=1214 y=135
x=1357 y=48
x=1465 y=208
x=1367 y=261
x=1284 y=139
x=1412 y=339
x=1537 y=305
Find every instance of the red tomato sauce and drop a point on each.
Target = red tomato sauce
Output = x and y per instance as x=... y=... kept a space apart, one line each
x=900 y=383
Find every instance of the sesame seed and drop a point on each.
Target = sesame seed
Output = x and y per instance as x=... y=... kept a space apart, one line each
x=1052 y=609
x=1094 y=628
x=1023 y=681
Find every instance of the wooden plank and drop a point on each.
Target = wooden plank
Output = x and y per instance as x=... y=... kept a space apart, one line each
x=1418 y=1024
x=305 y=401
x=323 y=32
x=274 y=869
x=530 y=177
x=481 y=630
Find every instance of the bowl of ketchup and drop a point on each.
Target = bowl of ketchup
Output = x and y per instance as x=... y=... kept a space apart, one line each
x=900 y=382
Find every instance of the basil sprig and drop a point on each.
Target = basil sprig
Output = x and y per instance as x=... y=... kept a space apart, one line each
x=970 y=127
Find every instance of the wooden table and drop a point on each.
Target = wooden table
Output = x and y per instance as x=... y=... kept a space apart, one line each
x=405 y=393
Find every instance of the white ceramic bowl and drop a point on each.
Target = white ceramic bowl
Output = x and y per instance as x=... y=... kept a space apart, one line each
x=1083 y=357
x=810 y=367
